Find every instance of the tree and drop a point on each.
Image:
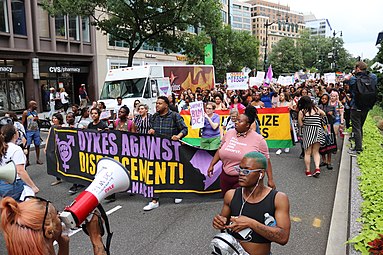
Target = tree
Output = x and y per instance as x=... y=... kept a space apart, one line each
x=285 y=57
x=162 y=22
x=233 y=50
x=379 y=58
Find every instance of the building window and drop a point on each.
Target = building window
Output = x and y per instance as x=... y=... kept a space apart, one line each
x=85 y=29
x=60 y=26
x=236 y=6
x=74 y=28
x=43 y=22
x=224 y=16
x=3 y=16
x=18 y=17
x=238 y=19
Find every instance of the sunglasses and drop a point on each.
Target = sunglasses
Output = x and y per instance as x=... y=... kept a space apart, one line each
x=209 y=108
x=246 y=171
x=46 y=209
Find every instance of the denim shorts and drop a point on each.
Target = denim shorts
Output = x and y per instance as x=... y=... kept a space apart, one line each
x=13 y=190
x=33 y=135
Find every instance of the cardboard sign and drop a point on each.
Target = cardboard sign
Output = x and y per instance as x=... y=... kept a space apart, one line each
x=197 y=115
x=164 y=88
x=237 y=81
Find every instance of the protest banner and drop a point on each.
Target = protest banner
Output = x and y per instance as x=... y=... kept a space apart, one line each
x=158 y=166
x=274 y=125
x=237 y=81
x=197 y=115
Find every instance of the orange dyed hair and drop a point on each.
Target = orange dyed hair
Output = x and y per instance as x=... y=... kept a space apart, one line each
x=21 y=224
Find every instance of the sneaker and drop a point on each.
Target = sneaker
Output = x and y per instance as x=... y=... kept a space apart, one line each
x=308 y=173
x=316 y=173
x=353 y=152
x=322 y=164
x=329 y=167
x=177 y=200
x=151 y=206
x=287 y=150
x=56 y=182
x=73 y=190
x=279 y=151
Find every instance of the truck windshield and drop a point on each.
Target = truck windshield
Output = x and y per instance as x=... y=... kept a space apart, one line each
x=123 y=88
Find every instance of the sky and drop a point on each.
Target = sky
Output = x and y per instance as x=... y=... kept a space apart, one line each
x=359 y=21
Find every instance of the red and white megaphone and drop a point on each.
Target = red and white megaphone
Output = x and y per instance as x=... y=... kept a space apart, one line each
x=111 y=177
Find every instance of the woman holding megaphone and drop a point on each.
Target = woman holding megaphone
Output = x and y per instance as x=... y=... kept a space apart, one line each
x=9 y=151
x=32 y=226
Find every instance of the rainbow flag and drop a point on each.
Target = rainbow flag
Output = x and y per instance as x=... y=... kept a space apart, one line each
x=274 y=125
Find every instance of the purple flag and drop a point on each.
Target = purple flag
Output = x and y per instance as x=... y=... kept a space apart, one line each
x=269 y=77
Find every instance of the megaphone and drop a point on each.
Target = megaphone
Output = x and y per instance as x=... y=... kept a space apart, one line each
x=8 y=172
x=111 y=177
x=226 y=244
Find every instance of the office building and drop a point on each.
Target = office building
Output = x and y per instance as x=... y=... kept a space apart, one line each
x=318 y=27
x=278 y=20
x=38 y=51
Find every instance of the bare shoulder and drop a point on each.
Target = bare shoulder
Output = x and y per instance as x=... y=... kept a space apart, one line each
x=281 y=199
x=229 y=196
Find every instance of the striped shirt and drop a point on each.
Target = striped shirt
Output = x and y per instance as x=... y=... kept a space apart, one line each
x=142 y=124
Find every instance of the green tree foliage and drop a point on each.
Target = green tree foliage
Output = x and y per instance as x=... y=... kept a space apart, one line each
x=233 y=50
x=315 y=53
x=142 y=21
x=379 y=58
x=286 y=57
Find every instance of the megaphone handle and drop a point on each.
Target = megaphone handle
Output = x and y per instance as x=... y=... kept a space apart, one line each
x=107 y=226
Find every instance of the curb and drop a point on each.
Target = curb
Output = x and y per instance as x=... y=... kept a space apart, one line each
x=338 y=233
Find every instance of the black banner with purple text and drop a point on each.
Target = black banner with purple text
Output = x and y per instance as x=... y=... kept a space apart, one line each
x=158 y=166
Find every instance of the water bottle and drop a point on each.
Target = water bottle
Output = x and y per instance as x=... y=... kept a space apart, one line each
x=270 y=220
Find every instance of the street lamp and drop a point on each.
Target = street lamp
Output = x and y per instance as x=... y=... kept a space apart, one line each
x=334 y=51
x=267 y=24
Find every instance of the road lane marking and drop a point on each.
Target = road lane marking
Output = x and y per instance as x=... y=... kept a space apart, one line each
x=72 y=232
x=296 y=219
x=317 y=223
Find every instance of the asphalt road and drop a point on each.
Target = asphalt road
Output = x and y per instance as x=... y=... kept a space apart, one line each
x=186 y=228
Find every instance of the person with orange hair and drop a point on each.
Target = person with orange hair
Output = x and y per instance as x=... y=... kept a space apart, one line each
x=31 y=227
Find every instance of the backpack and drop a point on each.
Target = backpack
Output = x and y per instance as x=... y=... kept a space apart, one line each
x=365 y=92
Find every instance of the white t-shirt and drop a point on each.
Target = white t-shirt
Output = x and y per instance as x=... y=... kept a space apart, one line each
x=76 y=125
x=63 y=97
x=14 y=153
x=117 y=108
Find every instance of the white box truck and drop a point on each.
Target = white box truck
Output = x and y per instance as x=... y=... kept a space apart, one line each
x=146 y=83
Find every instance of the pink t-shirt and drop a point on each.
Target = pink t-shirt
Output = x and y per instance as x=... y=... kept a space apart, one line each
x=234 y=148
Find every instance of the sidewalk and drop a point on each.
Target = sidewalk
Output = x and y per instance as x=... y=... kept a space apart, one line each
x=346 y=207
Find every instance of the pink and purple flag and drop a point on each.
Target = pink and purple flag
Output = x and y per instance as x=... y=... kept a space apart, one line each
x=269 y=77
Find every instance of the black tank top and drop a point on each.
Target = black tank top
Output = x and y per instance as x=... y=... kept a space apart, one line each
x=254 y=211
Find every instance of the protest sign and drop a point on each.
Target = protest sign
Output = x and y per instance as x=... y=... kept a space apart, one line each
x=164 y=88
x=197 y=115
x=237 y=81
x=329 y=78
